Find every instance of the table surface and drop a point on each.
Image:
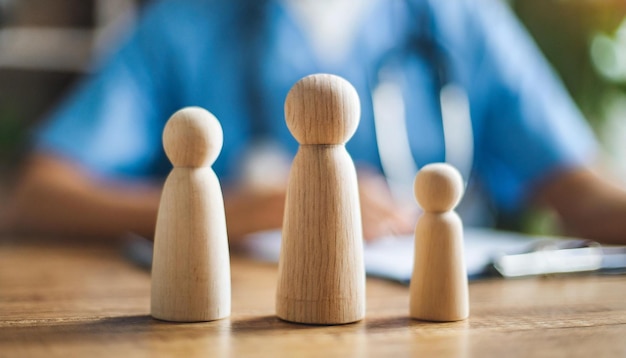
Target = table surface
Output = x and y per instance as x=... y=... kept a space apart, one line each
x=69 y=299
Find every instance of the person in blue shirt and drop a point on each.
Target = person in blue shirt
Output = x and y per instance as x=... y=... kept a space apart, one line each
x=97 y=164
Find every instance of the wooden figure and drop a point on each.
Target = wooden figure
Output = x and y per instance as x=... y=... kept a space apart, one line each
x=191 y=265
x=321 y=271
x=438 y=289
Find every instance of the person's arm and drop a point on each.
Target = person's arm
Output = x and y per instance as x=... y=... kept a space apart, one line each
x=57 y=197
x=589 y=206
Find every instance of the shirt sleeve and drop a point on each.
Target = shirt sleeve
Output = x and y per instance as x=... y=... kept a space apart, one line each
x=530 y=128
x=112 y=122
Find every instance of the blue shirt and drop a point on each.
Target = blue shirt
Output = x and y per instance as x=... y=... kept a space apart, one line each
x=240 y=61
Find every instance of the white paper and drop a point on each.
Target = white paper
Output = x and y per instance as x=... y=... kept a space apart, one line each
x=392 y=257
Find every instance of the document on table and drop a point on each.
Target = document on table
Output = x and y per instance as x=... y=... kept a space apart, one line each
x=392 y=257
x=510 y=253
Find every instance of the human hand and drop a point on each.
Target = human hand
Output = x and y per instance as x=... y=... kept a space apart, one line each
x=251 y=209
x=381 y=215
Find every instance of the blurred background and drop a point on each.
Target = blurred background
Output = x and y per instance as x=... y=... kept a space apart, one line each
x=45 y=47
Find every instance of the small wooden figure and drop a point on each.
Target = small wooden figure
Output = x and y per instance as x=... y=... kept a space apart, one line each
x=321 y=271
x=191 y=265
x=439 y=289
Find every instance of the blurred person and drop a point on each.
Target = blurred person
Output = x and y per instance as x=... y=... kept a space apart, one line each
x=97 y=165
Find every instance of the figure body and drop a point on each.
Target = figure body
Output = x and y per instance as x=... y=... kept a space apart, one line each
x=321 y=270
x=191 y=266
x=439 y=289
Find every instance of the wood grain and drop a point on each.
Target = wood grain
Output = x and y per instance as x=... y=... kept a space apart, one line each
x=76 y=300
x=439 y=280
x=321 y=275
x=191 y=271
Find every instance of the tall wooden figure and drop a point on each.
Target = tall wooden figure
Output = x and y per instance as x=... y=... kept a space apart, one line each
x=321 y=271
x=191 y=265
x=438 y=289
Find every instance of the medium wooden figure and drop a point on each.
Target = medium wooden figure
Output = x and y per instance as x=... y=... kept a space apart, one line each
x=191 y=265
x=321 y=271
x=439 y=289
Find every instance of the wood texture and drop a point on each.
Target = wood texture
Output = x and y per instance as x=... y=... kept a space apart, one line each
x=321 y=277
x=439 y=290
x=438 y=187
x=191 y=269
x=77 y=300
x=322 y=109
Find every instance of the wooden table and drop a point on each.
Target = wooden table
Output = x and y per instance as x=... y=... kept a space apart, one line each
x=88 y=300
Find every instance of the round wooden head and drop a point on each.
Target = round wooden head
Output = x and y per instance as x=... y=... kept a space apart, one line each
x=192 y=138
x=438 y=187
x=322 y=109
